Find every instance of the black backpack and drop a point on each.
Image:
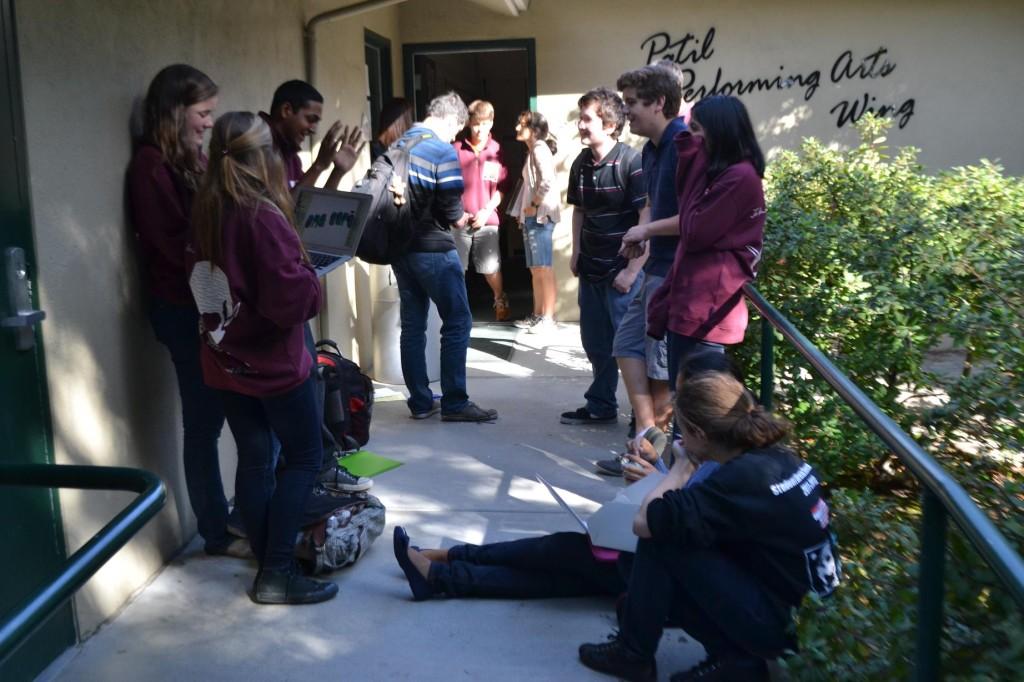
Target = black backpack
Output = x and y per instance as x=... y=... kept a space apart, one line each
x=390 y=227
x=348 y=400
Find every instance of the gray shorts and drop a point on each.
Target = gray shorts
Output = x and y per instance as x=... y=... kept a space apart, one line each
x=483 y=244
x=631 y=340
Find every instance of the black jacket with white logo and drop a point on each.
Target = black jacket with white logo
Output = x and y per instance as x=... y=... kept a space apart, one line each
x=764 y=510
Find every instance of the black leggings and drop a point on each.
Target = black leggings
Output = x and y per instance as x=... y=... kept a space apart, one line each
x=557 y=565
x=707 y=594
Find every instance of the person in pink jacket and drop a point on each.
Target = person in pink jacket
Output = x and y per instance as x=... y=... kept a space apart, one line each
x=721 y=232
x=255 y=289
x=483 y=176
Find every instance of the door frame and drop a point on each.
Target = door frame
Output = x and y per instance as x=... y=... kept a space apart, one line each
x=382 y=46
x=411 y=50
x=39 y=519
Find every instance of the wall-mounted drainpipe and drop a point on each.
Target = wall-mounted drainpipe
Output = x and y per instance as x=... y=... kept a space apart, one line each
x=309 y=31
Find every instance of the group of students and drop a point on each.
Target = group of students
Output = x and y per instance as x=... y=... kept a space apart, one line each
x=230 y=290
x=486 y=182
x=729 y=541
x=737 y=532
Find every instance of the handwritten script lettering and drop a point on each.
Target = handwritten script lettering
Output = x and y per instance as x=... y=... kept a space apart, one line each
x=691 y=52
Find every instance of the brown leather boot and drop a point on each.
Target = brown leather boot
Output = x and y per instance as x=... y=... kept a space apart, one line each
x=501 y=310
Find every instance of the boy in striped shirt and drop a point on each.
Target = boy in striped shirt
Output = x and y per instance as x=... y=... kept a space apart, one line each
x=607 y=191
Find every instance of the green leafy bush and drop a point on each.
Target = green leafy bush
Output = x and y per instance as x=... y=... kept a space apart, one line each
x=913 y=284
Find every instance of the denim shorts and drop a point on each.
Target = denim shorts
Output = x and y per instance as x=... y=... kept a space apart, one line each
x=537 y=240
x=631 y=340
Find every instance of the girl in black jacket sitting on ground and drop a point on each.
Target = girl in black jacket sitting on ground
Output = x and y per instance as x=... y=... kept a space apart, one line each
x=725 y=560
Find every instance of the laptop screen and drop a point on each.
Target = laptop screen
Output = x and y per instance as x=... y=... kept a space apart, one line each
x=329 y=221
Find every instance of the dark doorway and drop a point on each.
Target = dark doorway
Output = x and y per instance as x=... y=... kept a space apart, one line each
x=378 y=76
x=503 y=73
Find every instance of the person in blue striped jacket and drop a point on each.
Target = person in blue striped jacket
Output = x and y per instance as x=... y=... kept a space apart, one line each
x=431 y=270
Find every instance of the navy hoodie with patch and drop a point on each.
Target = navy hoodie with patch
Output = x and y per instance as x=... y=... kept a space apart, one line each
x=764 y=510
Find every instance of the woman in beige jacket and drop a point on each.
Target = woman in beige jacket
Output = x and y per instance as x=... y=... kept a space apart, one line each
x=537 y=209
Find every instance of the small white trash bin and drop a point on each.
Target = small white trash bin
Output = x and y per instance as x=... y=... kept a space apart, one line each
x=387 y=330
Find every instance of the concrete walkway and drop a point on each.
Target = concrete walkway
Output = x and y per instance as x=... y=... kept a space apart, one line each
x=460 y=483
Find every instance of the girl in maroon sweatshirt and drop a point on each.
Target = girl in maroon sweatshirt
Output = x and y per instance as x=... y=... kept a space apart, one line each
x=255 y=290
x=721 y=230
x=162 y=179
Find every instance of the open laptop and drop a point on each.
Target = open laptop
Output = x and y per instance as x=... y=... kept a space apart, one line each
x=331 y=224
x=611 y=526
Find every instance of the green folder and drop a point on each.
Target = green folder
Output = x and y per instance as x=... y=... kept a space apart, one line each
x=366 y=463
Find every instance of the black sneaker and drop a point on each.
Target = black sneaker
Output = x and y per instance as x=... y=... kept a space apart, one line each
x=609 y=467
x=725 y=670
x=434 y=408
x=583 y=416
x=631 y=433
x=470 y=413
x=337 y=479
x=290 y=587
x=614 y=658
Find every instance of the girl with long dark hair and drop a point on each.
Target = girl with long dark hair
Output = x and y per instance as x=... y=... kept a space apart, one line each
x=165 y=171
x=537 y=206
x=721 y=231
x=255 y=290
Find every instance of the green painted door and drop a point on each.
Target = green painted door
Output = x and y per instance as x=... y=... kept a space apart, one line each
x=32 y=539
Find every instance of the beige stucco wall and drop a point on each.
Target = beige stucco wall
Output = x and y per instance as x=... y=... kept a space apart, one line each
x=958 y=63
x=113 y=393
x=341 y=77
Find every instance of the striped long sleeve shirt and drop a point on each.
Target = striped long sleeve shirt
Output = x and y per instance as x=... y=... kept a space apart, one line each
x=435 y=190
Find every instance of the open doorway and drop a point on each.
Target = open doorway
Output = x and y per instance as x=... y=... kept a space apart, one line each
x=378 y=76
x=502 y=72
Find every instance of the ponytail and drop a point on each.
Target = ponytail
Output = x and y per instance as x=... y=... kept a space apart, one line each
x=727 y=412
x=244 y=172
x=535 y=121
x=758 y=429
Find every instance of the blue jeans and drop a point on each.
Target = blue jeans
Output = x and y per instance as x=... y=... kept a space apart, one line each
x=556 y=565
x=680 y=347
x=272 y=513
x=706 y=593
x=601 y=309
x=437 y=277
x=177 y=328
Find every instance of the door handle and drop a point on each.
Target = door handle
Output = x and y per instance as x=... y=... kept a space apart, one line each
x=22 y=316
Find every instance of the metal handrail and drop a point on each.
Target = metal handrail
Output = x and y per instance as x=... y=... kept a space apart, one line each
x=943 y=495
x=80 y=566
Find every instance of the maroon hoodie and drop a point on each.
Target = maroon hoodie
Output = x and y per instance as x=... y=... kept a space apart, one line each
x=159 y=206
x=288 y=152
x=721 y=231
x=483 y=174
x=253 y=307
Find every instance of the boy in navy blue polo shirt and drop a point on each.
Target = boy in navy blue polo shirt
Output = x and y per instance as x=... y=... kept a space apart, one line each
x=652 y=96
x=606 y=187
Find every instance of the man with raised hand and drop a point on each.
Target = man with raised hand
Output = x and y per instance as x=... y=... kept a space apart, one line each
x=295 y=113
